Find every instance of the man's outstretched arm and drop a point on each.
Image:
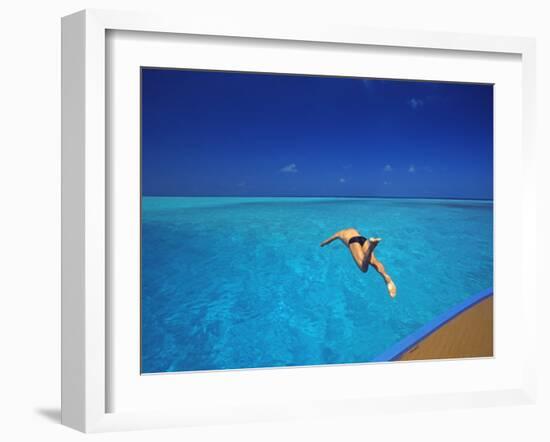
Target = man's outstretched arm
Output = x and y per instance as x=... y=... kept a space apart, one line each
x=329 y=240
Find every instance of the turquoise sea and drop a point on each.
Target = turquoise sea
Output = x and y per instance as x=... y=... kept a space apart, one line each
x=233 y=282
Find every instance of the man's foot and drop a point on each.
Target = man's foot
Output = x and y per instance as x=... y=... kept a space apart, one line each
x=370 y=244
x=392 y=289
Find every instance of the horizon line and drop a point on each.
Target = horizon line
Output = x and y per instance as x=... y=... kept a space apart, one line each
x=321 y=196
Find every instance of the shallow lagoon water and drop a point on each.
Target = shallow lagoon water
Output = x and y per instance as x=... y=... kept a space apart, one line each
x=242 y=282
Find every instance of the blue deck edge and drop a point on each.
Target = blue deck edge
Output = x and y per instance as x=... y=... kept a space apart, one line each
x=396 y=350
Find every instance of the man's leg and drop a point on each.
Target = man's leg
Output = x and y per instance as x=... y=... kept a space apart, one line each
x=362 y=254
x=392 y=289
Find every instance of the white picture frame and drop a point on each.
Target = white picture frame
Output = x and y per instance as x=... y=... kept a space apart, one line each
x=86 y=206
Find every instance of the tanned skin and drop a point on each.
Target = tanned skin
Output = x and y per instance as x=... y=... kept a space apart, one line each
x=363 y=255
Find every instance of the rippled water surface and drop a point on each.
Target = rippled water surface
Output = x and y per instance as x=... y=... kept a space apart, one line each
x=242 y=282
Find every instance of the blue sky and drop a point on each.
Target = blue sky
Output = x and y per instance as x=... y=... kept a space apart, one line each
x=222 y=133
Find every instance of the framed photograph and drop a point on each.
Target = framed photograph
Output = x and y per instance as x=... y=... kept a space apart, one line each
x=263 y=222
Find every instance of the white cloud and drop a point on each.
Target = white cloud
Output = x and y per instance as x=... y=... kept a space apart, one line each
x=412 y=169
x=342 y=180
x=386 y=183
x=289 y=168
x=387 y=168
x=416 y=103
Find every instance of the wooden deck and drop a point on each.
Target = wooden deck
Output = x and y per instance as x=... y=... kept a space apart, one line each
x=468 y=335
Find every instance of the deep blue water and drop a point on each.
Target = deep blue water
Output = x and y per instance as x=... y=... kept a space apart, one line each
x=242 y=282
